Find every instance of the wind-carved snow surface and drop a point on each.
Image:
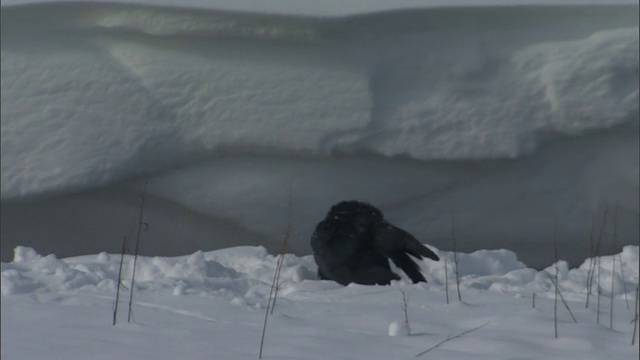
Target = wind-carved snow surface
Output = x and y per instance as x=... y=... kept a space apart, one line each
x=502 y=120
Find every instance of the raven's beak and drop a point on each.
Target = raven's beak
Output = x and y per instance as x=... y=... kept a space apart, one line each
x=390 y=238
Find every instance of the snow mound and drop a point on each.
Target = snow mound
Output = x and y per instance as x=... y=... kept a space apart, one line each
x=247 y=272
x=528 y=120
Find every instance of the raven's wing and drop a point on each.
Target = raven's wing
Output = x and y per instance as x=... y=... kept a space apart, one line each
x=404 y=262
x=389 y=239
x=398 y=244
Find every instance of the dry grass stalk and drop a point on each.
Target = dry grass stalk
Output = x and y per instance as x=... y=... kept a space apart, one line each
x=533 y=300
x=405 y=307
x=635 y=318
x=455 y=256
x=624 y=284
x=564 y=302
x=596 y=254
x=273 y=293
x=592 y=255
x=446 y=280
x=283 y=250
x=119 y=284
x=613 y=272
x=137 y=248
x=449 y=338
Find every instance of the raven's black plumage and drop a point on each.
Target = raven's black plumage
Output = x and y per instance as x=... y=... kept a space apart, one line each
x=354 y=244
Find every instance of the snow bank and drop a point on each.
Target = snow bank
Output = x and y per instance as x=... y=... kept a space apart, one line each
x=244 y=274
x=528 y=120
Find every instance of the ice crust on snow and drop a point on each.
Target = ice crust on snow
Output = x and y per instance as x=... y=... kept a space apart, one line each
x=527 y=120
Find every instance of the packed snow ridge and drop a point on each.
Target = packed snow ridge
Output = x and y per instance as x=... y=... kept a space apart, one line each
x=241 y=271
x=501 y=120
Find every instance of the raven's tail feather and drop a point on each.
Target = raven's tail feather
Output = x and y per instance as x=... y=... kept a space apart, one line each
x=390 y=239
x=418 y=250
x=404 y=262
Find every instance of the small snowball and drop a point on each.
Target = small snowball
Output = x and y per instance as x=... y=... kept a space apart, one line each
x=398 y=328
x=178 y=290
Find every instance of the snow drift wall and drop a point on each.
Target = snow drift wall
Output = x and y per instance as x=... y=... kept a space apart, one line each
x=506 y=119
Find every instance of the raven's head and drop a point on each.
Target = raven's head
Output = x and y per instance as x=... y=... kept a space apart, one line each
x=347 y=211
x=386 y=238
x=360 y=217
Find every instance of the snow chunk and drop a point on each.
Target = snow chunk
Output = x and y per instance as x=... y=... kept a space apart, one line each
x=398 y=328
x=179 y=289
x=103 y=257
x=24 y=254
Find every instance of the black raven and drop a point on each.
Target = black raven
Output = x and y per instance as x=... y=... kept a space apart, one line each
x=354 y=244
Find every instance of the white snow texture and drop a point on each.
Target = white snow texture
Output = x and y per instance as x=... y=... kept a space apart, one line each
x=212 y=305
x=504 y=120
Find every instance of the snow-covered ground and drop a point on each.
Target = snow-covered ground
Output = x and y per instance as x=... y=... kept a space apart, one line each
x=211 y=305
x=501 y=119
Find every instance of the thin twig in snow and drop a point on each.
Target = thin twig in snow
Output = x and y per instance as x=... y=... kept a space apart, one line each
x=119 y=284
x=449 y=338
x=566 y=305
x=264 y=327
x=446 y=280
x=613 y=264
x=533 y=300
x=624 y=285
x=613 y=272
x=635 y=318
x=591 y=260
x=135 y=259
x=597 y=259
x=405 y=306
x=273 y=293
x=283 y=250
x=455 y=256
x=269 y=306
